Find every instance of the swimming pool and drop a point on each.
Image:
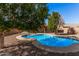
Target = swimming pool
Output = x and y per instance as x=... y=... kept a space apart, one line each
x=52 y=41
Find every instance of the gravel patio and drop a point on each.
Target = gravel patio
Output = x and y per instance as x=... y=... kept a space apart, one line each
x=14 y=48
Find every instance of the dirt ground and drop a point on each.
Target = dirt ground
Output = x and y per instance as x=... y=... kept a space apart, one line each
x=10 y=40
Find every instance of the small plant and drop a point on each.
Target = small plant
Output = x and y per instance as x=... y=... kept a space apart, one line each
x=71 y=31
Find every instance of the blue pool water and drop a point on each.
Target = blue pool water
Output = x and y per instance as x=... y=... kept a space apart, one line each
x=53 y=41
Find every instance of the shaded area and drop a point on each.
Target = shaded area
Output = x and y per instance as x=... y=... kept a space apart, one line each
x=30 y=50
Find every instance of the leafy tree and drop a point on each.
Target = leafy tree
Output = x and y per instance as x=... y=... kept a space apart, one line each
x=28 y=16
x=21 y=16
x=4 y=25
x=54 y=21
x=33 y=16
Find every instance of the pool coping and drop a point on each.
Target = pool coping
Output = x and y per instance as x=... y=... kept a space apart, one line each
x=28 y=39
x=71 y=49
x=20 y=38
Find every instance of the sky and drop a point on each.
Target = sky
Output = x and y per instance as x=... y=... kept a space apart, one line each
x=68 y=11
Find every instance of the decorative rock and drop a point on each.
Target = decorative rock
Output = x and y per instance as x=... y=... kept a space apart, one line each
x=15 y=48
x=29 y=50
x=2 y=50
x=32 y=52
x=45 y=53
x=25 y=53
x=18 y=53
x=38 y=54
x=5 y=54
x=26 y=47
x=10 y=49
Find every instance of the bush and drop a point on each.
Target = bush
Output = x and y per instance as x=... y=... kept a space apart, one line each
x=71 y=31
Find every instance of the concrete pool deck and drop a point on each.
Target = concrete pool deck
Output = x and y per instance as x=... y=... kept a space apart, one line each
x=11 y=39
x=70 y=49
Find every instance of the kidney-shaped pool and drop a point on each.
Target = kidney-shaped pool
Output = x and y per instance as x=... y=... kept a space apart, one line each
x=52 y=41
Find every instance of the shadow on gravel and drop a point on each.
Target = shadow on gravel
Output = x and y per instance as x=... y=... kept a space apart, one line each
x=30 y=50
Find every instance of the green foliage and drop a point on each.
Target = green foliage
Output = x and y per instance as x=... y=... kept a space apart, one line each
x=22 y=16
x=29 y=16
x=53 y=21
x=4 y=11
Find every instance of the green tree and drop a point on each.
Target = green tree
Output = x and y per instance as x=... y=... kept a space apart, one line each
x=29 y=16
x=33 y=15
x=21 y=16
x=54 y=21
x=4 y=24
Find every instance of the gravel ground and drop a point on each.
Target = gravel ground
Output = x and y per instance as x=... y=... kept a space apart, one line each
x=26 y=49
x=30 y=50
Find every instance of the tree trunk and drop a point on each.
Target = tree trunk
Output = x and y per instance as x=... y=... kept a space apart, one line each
x=1 y=40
